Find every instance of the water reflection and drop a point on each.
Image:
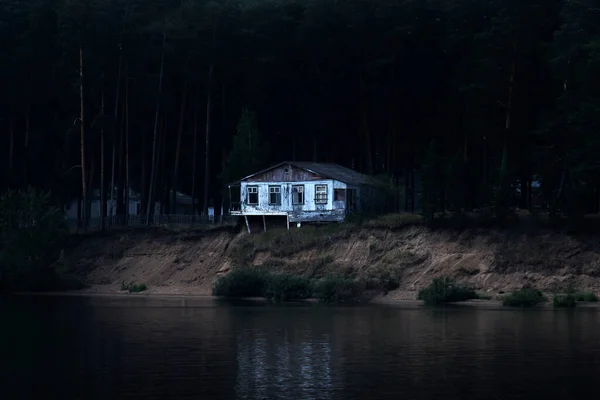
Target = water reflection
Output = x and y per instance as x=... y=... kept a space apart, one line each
x=153 y=349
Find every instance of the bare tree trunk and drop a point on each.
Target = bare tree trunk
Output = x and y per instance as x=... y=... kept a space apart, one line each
x=115 y=129
x=127 y=183
x=26 y=158
x=82 y=129
x=207 y=148
x=194 y=166
x=155 y=139
x=178 y=147
x=121 y=169
x=88 y=206
x=143 y=178
x=365 y=126
x=11 y=148
x=102 y=155
x=161 y=173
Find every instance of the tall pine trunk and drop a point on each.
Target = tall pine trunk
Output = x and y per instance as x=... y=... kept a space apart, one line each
x=102 y=155
x=178 y=147
x=153 y=171
x=211 y=70
x=82 y=130
x=114 y=132
x=194 y=164
x=127 y=183
x=11 y=149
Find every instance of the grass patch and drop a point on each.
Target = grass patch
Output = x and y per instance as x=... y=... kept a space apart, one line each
x=242 y=282
x=395 y=222
x=445 y=290
x=564 y=301
x=525 y=297
x=338 y=290
x=484 y=296
x=134 y=287
x=585 y=297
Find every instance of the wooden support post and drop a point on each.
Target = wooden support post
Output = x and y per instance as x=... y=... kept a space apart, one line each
x=264 y=224
x=288 y=221
x=247 y=223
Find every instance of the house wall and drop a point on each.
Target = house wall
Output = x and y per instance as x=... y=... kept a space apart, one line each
x=310 y=210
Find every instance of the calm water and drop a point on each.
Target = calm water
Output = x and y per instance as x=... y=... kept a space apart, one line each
x=112 y=348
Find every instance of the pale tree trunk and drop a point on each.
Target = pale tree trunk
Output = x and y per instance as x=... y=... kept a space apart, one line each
x=143 y=178
x=194 y=166
x=365 y=126
x=178 y=147
x=115 y=130
x=88 y=207
x=11 y=148
x=127 y=183
x=82 y=129
x=207 y=148
x=102 y=183
x=153 y=171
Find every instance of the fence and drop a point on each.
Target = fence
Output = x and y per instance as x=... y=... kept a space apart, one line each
x=138 y=221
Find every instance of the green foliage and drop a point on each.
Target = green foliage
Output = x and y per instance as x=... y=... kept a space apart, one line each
x=133 y=287
x=338 y=290
x=242 y=282
x=525 y=297
x=586 y=297
x=564 y=301
x=32 y=236
x=285 y=287
x=249 y=153
x=445 y=290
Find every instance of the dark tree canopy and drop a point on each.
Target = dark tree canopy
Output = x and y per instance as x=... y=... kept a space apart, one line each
x=493 y=103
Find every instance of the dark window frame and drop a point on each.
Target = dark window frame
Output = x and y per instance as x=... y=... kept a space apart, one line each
x=277 y=195
x=319 y=197
x=249 y=193
x=302 y=192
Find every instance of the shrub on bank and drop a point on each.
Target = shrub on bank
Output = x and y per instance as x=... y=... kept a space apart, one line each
x=445 y=290
x=586 y=296
x=285 y=287
x=32 y=238
x=525 y=297
x=134 y=287
x=242 y=282
x=564 y=301
x=338 y=290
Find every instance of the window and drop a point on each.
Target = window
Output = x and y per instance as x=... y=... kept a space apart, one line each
x=297 y=194
x=339 y=195
x=274 y=195
x=252 y=194
x=320 y=194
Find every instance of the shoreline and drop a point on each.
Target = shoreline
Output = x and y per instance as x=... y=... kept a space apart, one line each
x=492 y=305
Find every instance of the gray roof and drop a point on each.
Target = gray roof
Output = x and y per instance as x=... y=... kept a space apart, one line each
x=328 y=170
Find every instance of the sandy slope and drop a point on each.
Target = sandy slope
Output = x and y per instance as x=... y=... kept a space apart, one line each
x=188 y=262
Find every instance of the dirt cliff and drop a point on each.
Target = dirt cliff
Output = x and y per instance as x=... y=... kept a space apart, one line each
x=491 y=261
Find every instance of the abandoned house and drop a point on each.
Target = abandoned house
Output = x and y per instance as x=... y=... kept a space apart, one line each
x=306 y=192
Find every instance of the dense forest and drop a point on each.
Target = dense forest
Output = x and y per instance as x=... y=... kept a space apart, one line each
x=493 y=103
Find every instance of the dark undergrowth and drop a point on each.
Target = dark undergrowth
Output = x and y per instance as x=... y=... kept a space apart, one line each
x=281 y=287
x=525 y=297
x=445 y=290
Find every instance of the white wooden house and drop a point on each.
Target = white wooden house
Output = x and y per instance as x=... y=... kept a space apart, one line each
x=306 y=192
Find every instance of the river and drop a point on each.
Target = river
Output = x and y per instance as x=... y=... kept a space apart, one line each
x=71 y=347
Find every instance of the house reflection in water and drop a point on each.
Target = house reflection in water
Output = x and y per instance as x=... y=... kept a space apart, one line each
x=300 y=368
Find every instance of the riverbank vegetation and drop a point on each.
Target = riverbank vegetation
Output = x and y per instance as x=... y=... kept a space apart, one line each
x=281 y=287
x=32 y=240
x=445 y=290
x=524 y=297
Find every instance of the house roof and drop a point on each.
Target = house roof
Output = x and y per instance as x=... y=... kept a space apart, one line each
x=328 y=170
